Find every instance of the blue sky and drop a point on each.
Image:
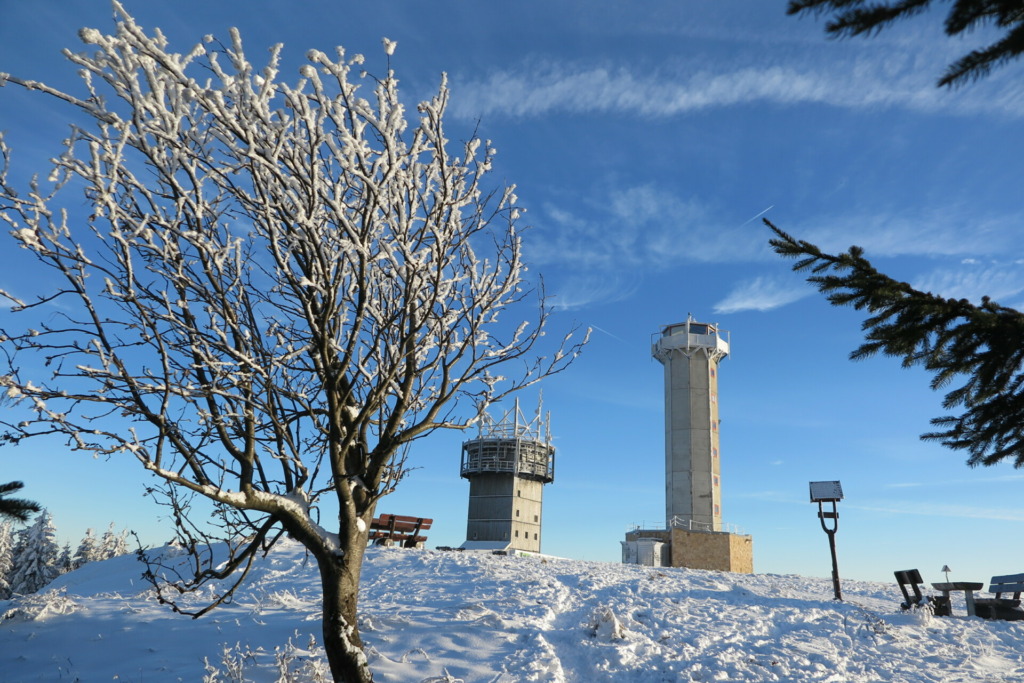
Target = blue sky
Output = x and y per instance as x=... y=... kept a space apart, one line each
x=645 y=140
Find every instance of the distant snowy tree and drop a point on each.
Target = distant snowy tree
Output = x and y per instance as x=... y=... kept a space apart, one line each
x=276 y=289
x=112 y=544
x=6 y=559
x=65 y=562
x=15 y=508
x=36 y=556
x=88 y=550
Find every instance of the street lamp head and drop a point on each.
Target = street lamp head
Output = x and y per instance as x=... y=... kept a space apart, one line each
x=826 y=491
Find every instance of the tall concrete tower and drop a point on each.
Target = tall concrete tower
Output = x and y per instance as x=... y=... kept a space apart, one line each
x=507 y=466
x=693 y=536
x=690 y=352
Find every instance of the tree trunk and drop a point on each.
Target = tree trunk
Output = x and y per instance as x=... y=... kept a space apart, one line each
x=339 y=577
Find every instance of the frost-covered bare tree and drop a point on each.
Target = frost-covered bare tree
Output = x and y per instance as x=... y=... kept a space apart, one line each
x=275 y=289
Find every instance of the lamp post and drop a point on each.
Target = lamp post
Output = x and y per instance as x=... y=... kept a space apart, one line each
x=829 y=492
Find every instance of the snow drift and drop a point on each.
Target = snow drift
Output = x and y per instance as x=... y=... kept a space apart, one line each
x=445 y=616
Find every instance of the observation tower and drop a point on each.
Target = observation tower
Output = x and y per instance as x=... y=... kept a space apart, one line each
x=694 y=535
x=507 y=465
x=690 y=353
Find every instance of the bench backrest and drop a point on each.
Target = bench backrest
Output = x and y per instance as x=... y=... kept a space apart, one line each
x=911 y=578
x=399 y=528
x=400 y=523
x=1010 y=583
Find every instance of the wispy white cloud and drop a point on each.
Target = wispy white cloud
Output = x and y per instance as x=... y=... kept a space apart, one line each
x=607 y=242
x=923 y=508
x=936 y=231
x=762 y=294
x=641 y=227
x=973 y=280
x=541 y=88
x=602 y=253
x=962 y=482
x=988 y=264
x=579 y=290
x=946 y=510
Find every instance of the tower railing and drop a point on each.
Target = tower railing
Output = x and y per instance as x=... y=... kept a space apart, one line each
x=513 y=445
x=521 y=457
x=678 y=522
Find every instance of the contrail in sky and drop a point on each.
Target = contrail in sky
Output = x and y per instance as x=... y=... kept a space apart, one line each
x=608 y=333
x=759 y=215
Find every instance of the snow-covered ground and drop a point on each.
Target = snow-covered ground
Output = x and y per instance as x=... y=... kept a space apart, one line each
x=445 y=616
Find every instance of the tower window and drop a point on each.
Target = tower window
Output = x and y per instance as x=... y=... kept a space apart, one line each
x=517 y=533
x=536 y=518
x=517 y=512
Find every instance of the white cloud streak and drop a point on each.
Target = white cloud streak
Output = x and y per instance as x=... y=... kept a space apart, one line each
x=762 y=294
x=646 y=229
x=642 y=227
x=538 y=89
x=946 y=510
x=580 y=290
x=935 y=232
x=972 y=281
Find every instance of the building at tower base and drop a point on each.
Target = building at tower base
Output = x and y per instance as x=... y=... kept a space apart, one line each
x=677 y=547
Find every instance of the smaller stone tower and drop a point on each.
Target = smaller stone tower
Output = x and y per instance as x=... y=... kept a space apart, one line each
x=507 y=465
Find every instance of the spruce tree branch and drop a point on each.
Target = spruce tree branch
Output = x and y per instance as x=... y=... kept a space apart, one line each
x=869 y=17
x=981 y=345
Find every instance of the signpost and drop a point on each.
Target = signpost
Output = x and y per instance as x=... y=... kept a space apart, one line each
x=829 y=492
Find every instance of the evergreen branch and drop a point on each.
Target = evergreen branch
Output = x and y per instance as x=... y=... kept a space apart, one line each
x=869 y=17
x=15 y=508
x=953 y=339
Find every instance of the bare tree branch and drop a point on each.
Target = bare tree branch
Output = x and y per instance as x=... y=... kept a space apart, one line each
x=278 y=286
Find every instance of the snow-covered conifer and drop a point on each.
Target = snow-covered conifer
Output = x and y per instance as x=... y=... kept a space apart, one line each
x=88 y=550
x=64 y=562
x=36 y=556
x=112 y=544
x=6 y=559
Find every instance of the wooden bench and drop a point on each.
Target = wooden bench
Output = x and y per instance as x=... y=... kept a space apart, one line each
x=914 y=598
x=398 y=529
x=999 y=607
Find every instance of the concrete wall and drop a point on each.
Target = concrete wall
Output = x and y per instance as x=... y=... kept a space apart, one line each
x=692 y=463
x=503 y=507
x=526 y=515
